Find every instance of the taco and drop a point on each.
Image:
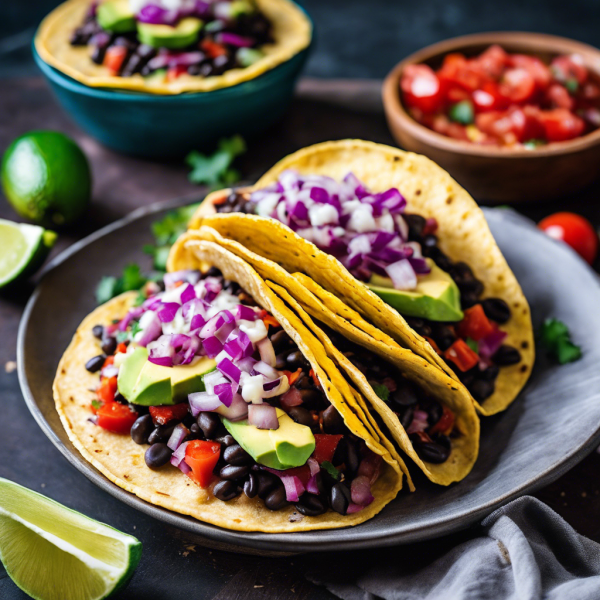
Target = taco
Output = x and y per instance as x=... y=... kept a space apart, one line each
x=430 y=416
x=175 y=397
x=398 y=240
x=171 y=47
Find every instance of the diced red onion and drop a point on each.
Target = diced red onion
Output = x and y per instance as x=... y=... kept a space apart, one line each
x=225 y=393
x=311 y=486
x=179 y=454
x=353 y=508
x=213 y=378
x=263 y=416
x=151 y=332
x=229 y=370
x=370 y=466
x=291 y=398
x=245 y=313
x=267 y=352
x=360 y=491
x=223 y=332
x=134 y=313
x=419 y=422
x=246 y=364
x=237 y=411
x=188 y=293
x=161 y=352
x=292 y=483
x=197 y=322
x=488 y=346
x=234 y=40
x=402 y=275
x=234 y=349
x=313 y=465
x=190 y=275
x=212 y=346
x=203 y=402
x=212 y=325
x=166 y=311
x=179 y=434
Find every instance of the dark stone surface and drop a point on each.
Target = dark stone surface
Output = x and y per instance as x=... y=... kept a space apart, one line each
x=320 y=112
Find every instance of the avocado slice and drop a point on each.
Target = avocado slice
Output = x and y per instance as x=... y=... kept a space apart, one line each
x=116 y=16
x=142 y=382
x=289 y=446
x=183 y=34
x=436 y=296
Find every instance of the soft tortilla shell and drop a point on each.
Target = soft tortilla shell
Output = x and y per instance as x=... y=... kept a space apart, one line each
x=463 y=232
x=292 y=32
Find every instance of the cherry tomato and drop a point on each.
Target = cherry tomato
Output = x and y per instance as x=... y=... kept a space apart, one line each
x=108 y=389
x=569 y=68
x=116 y=417
x=475 y=324
x=517 y=85
x=461 y=355
x=114 y=58
x=161 y=415
x=325 y=445
x=535 y=67
x=421 y=88
x=561 y=124
x=574 y=230
x=202 y=456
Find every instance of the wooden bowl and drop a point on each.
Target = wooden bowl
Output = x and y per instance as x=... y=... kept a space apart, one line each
x=491 y=173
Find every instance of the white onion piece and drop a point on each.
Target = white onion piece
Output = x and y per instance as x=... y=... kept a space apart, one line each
x=263 y=416
x=267 y=370
x=267 y=352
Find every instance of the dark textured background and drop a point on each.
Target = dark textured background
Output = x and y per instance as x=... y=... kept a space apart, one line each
x=357 y=38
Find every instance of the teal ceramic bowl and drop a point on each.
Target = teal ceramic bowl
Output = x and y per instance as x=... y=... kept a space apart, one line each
x=154 y=126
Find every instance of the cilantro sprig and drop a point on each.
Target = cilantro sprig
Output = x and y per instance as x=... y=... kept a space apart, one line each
x=215 y=170
x=109 y=287
x=555 y=336
x=381 y=390
x=330 y=469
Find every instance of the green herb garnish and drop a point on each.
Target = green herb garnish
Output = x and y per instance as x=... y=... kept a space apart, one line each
x=381 y=390
x=109 y=287
x=572 y=85
x=473 y=345
x=462 y=112
x=216 y=170
x=96 y=404
x=533 y=144
x=122 y=336
x=330 y=469
x=135 y=328
x=555 y=336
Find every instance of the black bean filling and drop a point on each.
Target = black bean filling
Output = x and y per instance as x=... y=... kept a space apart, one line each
x=255 y=26
x=236 y=470
x=480 y=380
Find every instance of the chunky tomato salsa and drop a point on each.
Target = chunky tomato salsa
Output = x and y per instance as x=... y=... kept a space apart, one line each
x=504 y=99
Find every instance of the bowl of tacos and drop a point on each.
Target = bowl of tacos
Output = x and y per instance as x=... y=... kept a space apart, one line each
x=159 y=79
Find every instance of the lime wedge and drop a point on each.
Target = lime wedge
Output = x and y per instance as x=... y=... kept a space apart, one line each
x=23 y=249
x=54 y=553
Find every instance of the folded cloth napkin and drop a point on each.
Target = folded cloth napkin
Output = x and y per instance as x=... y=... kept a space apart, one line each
x=526 y=552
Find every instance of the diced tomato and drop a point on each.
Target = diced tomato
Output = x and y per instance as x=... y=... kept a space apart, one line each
x=315 y=378
x=520 y=123
x=122 y=347
x=456 y=94
x=325 y=445
x=488 y=98
x=537 y=69
x=212 y=49
x=423 y=437
x=569 y=68
x=174 y=72
x=457 y=71
x=302 y=473
x=446 y=422
x=270 y=320
x=561 y=124
x=293 y=377
x=517 y=85
x=421 y=88
x=114 y=58
x=461 y=355
x=475 y=324
x=202 y=456
x=558 y=97
x=108 y=361
x=161 y=415
x=107 y=390
x=493 y=61
x=574 y=230
x=116 y=417
x=433 y=345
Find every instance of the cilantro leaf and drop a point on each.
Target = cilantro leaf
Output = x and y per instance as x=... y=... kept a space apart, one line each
x=135 y=328
x=555 y=336
x=122 y=336
x=109 y=287
x=215 y=170
x=473 y=345
x=330 y=469
x=96 y=404
x=132 y=278
x=381 y=390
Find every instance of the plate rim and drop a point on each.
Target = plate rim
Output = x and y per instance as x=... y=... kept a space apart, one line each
x=288 y=541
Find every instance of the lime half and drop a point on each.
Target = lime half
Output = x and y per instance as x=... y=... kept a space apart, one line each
x=54 y=553
x=23 y=249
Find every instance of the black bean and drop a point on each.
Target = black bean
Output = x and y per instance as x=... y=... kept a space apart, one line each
x=296 y=359
x=332 y=421
x=212 y=272
x=416 y=224
x=468 y=299
x=406 y=414
x=312 y=398
x=352 y=456
x=339 y=498
x=481 y=389
x=474 y=286
x=506 y=355
x=443 y=335
x=311 y=505
x=266 y=483
x=221 y=63
x=276 y=499
x=251 y=485
x=301 y=415
x=98 y=331
x=496 y=309
x=430 y=451
x=404 y=394
x=208 y=423
x=162 y=432
x=304 y=382
x=206 y=70
x=490 y=373
x=442 y=261
x=434 y=413
x=236 y=455
x=157 y=455
x=95 y=364
x=109 y=345
x=146 y=51
x=461 y=272
x=141 y=429
x=98 y=53
x=419 y=325
x=226 y=490
x=232 y=287
x=281 y=340
x=195 y=432
x=226 y=440
x=280 y=361
x=429 y=242
x=234 y=472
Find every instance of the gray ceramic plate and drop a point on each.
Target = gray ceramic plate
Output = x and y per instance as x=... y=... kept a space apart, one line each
x=551 y=426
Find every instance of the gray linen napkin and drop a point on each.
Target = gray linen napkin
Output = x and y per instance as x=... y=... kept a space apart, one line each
x=526 y=552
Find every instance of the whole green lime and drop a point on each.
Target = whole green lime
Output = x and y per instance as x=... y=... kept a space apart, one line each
x=46 y=177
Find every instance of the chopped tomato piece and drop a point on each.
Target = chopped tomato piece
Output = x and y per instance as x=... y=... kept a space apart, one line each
x=433 y=345
x=457 y=71
x=109 y=361
x=325 y=445
x=475 y=324
x=270 y=320
x=116 y=417
x=493 y=61
x=423 y=437
x=108 y=389
x=446 y=422
x=122 y=347
x=537 y=69
x=488 y=98
x=293 y=377
x=561 y=124
x=114 y=58
x=161 y=415
x=302 y=473
x=517 y=85
x=516 y=124
x=558 y=97
x=314 y=378
x=421 y=88
x=574 y=230
x=569 y=68
x=202 y=457
x=174 y=72
x=461 y=355
x=212 y=49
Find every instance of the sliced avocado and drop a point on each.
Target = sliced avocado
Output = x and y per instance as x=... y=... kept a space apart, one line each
x=116 y=16
x=183 y=34
x=436 y=297
x=241 y=7
x=289 y=446
x=142 y=382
